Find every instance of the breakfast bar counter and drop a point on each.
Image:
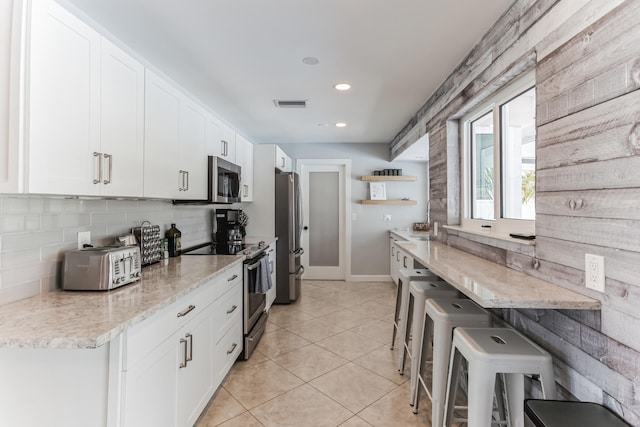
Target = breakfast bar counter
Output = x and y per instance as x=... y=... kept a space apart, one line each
x=492 y=285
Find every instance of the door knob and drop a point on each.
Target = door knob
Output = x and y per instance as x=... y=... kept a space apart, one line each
x=305 y=228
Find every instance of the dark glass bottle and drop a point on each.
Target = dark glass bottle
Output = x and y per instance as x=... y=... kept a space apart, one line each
x=175 y=241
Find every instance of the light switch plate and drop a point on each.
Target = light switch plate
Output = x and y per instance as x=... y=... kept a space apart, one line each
x=594 y=272
x=387 y=217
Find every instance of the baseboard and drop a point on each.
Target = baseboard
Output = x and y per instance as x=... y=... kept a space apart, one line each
x=369 y=278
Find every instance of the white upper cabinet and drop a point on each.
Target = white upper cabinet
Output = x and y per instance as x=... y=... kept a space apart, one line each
x=175 y=163
x=162 y=129
x=191 y=152
x=121 y=123
x=282 y=161
x=64 y=87
x=85 y=110
x=9 y=182
x=221 y=139
x=244 y=158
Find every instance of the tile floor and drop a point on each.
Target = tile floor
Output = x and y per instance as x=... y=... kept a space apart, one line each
x=323 y=361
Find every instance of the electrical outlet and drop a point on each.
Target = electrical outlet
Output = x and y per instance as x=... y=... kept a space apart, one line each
x=387 y=217
x=435 y=228
x=594 y=272
x=84 y=238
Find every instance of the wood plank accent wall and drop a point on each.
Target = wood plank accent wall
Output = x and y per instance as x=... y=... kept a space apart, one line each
x=586 y=54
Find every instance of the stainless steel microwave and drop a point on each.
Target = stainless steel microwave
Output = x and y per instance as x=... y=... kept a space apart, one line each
x=223 y=183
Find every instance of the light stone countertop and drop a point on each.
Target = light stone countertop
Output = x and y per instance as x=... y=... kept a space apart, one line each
x=492 y=285
x=408 y=234
x=255 y=240
x=75 y=319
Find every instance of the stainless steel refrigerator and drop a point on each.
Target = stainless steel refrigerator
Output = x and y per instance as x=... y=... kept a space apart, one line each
x=289 y=233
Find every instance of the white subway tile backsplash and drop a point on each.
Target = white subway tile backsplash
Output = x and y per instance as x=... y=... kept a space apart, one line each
x=35 y=232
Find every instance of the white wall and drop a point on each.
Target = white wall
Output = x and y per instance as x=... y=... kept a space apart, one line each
x=369 y=237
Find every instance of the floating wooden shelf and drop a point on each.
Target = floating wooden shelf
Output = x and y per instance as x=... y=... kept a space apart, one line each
x=387 y=178
x=388 y=202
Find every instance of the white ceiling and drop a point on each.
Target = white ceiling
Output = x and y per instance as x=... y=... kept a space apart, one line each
x=237 y=56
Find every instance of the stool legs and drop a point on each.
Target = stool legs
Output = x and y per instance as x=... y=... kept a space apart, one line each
x=405 y=327
x=396 y=315
x=452 y=385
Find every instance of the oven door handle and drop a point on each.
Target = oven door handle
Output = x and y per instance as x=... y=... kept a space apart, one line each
x=256 y=264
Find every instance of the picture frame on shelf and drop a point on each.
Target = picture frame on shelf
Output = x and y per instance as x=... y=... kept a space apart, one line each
x=377 y=191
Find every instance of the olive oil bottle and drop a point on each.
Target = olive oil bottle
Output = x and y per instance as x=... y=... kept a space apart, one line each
x=175 y=241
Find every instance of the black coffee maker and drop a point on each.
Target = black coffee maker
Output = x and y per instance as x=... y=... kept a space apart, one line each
x=229 y=232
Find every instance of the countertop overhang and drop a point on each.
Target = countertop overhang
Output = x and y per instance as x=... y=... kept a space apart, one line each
x=492 y=285
x=86 y=320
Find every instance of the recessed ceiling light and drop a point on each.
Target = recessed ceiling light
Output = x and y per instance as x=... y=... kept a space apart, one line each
x=340 y=125
x=342 y=86
x=310 y=60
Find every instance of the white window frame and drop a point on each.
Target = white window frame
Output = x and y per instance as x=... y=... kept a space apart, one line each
x=499 y=226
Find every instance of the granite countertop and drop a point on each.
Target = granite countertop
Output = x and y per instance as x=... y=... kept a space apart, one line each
x=408 y=234
x=492 y=285
x=73 y=319
x=256 y=240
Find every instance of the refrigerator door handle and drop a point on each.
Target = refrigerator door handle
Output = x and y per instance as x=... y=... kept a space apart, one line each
x=300 y=272
x=298 y=252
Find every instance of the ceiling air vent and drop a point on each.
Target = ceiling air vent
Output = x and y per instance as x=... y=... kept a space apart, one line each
x=290 y=104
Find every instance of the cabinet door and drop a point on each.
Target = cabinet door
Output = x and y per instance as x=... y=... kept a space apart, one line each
x=151 y=389
x=191 y=152
x=271 y=293
x=162 y=123
x=195 y=368
x=121 y=122
x=63 y=103
x=282 y=161
x=393 y=261
x=244 y=158
x=214 y=145
x=229 y=143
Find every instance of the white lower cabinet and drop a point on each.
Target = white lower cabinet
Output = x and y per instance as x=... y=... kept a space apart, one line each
x=175 y=360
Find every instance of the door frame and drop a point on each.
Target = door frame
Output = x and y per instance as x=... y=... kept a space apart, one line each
x=346 y=182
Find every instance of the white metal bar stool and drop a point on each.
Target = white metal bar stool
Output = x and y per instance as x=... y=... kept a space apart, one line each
x=441 y=317
x=406 y=276
x=419 y=292
x=491 y=351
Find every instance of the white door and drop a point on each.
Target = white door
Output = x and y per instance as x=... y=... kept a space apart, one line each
x=326 y=232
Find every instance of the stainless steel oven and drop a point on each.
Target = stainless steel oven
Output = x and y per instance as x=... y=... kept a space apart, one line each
x=255 y=316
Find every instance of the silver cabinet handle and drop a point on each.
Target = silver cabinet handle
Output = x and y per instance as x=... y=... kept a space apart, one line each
x=183 y=364
x=245 y=192
x=392 y=251
x=187 y=175
x=183 y=174
x=99 y=155
x=109 y=158
x=233 y=347
x=232 y=309
x=398 y=256
x=234 y=277
x=186 y=310
x=189 y=337
x=283 y=162
x=404 y=262
x=270 y=266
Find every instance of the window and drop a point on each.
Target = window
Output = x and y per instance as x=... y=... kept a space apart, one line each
x=500 y=160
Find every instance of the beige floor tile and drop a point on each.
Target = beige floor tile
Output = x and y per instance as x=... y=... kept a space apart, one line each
x=355 y=421
x=221 y=408
x=256 y=384
x=310 y=362
x=394 y=410
x=243 y=420
x=346 y=318
x=286 y=316
x=303 y=406
x=270 y=327
x=373 y=309
x=349 y=344
x=379 y=330
x=353 y=386
x=315 y=329
x=383 y=362
x=279 y=342
x=319 y=308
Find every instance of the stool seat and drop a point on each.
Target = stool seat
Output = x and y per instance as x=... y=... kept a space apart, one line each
x=441 y=317
x=406 y=275
x=491 y=351
x=558 y=413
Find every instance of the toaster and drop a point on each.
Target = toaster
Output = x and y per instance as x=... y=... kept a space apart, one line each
x=101 y=268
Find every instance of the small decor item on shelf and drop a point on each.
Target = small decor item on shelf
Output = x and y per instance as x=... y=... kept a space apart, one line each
x=377 y=173
x=377 y=191
x=420 y=226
